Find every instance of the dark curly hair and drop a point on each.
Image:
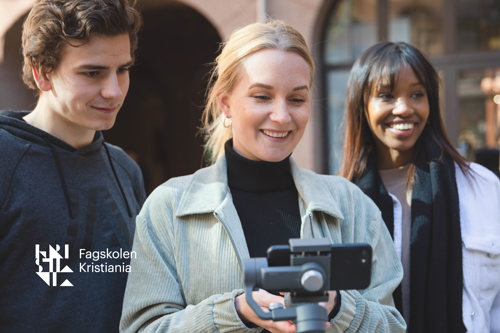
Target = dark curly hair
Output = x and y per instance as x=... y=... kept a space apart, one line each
x=52 y=24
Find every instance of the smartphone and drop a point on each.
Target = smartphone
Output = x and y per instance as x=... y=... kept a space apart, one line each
x=350 y=264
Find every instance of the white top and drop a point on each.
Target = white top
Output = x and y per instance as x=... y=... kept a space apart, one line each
x=479 y=201
x=395 y=182
x=480 y=223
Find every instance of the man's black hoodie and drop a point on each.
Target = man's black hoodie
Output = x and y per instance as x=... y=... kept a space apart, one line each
x=67 y=220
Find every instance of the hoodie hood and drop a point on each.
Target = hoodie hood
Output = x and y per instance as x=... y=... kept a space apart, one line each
x=13 y=122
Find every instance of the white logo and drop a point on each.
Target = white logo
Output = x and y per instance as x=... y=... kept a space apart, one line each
x=53 y=262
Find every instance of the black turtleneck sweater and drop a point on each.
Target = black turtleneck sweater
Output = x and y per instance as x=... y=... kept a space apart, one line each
x=267 y=203
x=266 y=200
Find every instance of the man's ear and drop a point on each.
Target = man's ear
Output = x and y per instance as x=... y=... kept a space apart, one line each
x=41 y=79
x=223 y=101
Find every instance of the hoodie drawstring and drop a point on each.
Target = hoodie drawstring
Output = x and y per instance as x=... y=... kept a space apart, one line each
x=117 y=180
x=61 y=177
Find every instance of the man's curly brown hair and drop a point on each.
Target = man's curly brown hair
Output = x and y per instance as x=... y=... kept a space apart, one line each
x=52 y=24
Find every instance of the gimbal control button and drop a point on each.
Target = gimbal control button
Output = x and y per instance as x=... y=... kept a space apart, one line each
x=312 y=280
x=275 y=306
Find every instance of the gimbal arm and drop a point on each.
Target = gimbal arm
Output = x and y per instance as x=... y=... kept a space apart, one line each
x=309 y=317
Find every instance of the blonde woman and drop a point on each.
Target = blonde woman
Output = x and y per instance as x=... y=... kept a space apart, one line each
x=195 y=232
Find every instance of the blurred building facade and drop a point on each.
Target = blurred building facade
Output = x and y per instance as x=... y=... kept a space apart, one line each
x=160 y=119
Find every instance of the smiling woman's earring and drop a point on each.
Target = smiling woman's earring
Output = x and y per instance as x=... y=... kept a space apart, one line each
x=227 y=122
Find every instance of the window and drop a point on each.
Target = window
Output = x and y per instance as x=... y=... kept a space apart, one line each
x=351 y=30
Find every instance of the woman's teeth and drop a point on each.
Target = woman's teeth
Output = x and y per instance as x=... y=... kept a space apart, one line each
x=402 y=126
x=275 y=134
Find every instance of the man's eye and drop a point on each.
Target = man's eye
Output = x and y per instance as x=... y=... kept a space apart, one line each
x=124 y=69
x=91 y=74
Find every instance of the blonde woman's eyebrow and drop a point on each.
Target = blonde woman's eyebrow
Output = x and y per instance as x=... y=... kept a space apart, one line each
x=266 y=86
x=301 y=88
x=260 y=85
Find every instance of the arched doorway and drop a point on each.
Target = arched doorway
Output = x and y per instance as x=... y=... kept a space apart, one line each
x=161 y=116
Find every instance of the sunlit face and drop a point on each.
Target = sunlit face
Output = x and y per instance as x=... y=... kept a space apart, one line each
x=398 y=117
x=269 y=105
x=88 y=87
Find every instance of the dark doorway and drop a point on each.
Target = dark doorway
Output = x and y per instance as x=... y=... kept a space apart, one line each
x=160 y=119
x=15 y=95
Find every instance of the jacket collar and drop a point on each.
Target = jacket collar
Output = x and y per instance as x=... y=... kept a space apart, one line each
x=316 y=191
x=208 y=188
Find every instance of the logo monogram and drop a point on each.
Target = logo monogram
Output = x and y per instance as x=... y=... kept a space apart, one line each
x=52 y=260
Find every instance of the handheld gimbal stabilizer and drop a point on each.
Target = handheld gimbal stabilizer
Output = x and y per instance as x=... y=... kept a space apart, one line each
x=307 y=269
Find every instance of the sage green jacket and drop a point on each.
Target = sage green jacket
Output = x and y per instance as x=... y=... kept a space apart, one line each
x=190 y=253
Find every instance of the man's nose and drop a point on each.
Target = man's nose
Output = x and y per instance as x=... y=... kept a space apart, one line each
x=112 y=87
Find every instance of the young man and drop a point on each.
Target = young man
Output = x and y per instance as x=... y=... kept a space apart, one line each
x=68 y=200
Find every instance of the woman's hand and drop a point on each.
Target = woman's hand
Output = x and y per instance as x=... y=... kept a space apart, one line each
x=332 y=296
x=263 y=299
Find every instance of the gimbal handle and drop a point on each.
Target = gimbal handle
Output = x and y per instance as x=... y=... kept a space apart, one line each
x=253 y=267
x=309 y=317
